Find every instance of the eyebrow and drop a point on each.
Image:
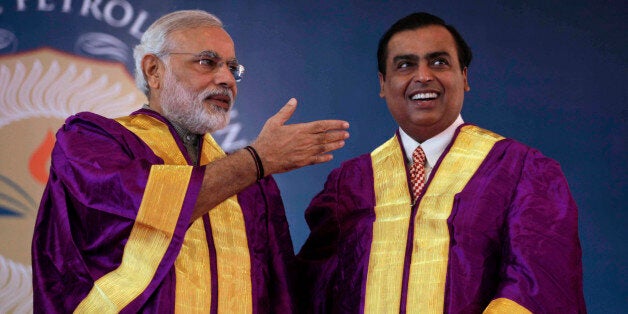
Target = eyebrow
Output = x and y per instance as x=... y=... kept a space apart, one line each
x=209 y=53
x=413 y=57
x=438 y=54
x=213 y=54
x=410 y=57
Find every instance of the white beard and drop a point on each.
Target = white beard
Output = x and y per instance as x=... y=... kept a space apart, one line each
x=181 y=106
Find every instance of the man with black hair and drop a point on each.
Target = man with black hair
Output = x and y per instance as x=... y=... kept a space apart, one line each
x=445 y=217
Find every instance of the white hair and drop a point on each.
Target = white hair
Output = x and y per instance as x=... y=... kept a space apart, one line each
x=155 y=40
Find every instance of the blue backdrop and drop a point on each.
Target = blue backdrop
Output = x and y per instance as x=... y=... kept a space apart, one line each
x=548 y=73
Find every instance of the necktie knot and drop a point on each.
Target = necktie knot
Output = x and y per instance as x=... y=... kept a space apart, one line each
x=417 y=172
x=418 y=156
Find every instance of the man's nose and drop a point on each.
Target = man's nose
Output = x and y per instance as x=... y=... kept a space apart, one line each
x=223 y=75
x=424 y=74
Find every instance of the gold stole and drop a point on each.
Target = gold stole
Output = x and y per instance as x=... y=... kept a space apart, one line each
x=430 y=248
x=153 y=230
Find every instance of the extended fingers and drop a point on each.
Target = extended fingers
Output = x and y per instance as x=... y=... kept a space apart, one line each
x=321 y=158
x=332 y=136
x=328 y=134
x=328 y=142
x=284 y=147
x=327 y=125
x=328 y=147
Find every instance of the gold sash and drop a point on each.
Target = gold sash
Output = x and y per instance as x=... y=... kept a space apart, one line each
x=430 y=248
x=390 y=229
x=153 y=230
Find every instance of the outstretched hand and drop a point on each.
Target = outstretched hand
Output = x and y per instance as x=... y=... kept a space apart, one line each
x=284 y=147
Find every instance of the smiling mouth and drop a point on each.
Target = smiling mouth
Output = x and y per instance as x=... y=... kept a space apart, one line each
x=424 y=96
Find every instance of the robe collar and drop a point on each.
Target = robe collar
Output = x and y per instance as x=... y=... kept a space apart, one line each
x=433 y=147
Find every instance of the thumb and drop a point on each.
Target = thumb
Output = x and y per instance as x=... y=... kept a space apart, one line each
x=286 y=111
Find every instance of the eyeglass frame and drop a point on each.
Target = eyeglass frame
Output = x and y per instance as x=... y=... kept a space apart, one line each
x=237 y=69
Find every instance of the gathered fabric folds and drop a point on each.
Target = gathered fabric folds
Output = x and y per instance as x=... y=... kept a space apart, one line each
x=476 y=240
x=113 y=232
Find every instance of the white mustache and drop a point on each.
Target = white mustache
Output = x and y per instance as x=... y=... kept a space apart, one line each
x=218 y=92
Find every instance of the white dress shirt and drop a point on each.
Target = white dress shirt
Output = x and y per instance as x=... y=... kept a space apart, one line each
x=433 y=147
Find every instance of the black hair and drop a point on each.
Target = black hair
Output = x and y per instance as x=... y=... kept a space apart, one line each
x=415 y=21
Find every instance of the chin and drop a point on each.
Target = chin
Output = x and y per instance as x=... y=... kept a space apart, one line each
x=214 y=125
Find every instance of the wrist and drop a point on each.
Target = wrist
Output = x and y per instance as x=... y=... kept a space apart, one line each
x=259 y=167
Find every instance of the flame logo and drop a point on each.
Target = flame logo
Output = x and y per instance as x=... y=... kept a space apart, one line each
x=40 y=157
x=46 y=83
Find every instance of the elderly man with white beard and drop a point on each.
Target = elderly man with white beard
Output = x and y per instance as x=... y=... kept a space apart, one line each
x=146 y=213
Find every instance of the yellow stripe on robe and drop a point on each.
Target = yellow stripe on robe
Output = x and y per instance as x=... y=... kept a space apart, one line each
x=235 y=293
x=430 y=248
x=147 y=243
x=390 y=229
x=152 y=231
x=392 y=210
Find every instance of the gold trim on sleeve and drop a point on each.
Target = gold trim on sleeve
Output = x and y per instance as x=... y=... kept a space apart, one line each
x=503 y=305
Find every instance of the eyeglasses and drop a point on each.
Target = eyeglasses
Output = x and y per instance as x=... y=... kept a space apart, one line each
x=210 y=61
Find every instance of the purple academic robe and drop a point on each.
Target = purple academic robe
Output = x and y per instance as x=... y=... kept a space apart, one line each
x=512 y=235
x=88 y=231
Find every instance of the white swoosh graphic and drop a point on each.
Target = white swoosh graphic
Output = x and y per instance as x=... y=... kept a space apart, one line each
x=16 y=292
x=54 y=92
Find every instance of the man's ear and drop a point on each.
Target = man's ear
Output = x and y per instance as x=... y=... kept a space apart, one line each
x=382 y=79
x=152 y=68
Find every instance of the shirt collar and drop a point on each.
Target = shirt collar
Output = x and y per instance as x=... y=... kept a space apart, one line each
x=433 y=147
